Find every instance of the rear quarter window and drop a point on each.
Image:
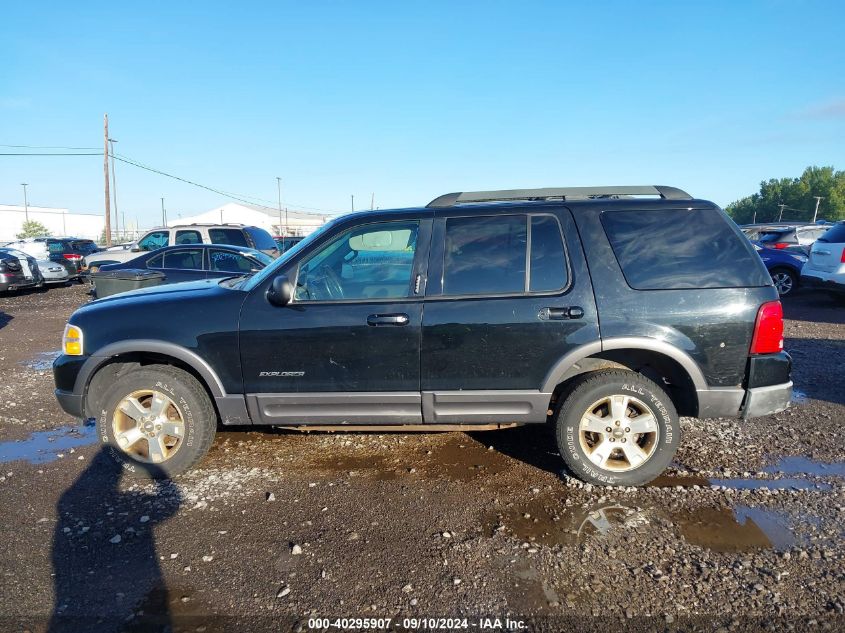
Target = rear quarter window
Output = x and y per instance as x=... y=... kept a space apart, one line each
x=260 y=238
x=671 y=249
x=233 y=237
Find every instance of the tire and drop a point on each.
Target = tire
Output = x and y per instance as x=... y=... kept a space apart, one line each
x=186 y=409
x=786 y=281
x=597 y=394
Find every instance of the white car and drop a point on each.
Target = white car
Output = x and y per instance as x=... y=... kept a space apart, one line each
x=826 y=268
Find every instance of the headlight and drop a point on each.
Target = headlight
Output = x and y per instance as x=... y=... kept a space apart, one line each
x=72 y=340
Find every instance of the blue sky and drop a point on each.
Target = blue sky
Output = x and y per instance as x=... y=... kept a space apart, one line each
x=410 y=100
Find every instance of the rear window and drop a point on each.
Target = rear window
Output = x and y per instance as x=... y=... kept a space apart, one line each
x=233 y=237
x=835 y=234
x=681 y=248
x=56 y=247
x=777 y=236
x=261 y=239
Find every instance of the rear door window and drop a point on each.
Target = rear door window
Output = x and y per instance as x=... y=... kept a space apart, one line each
x=260 y=239
x=234 y=237
x=184 y=259
x=485 y=255
x=681 y=248
x=228 y=262
x=188 y=237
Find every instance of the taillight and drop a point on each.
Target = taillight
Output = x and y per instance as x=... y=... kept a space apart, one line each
x=842 y=259
x=73 y=258
x=780 y=245
x=768 y=329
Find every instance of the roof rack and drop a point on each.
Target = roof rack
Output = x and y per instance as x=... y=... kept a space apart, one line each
x=564 y=193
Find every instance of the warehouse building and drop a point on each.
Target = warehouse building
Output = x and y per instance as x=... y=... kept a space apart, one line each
x=60 y=222
x=290 y=223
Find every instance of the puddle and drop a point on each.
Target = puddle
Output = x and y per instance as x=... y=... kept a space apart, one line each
x=550 y=522
x=458 y=459
x=43 y=361
x=800 y=465
x=770 y=484
x=737 y=530
x=799 y=397
x=686 y=481
x=44 y=446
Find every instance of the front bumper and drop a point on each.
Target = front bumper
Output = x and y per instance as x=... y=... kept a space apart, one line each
x=760 y=401
x=70 y=402
x=14 y=282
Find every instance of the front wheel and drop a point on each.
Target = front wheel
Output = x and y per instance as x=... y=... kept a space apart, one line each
x=157 y=421
x=617 y=428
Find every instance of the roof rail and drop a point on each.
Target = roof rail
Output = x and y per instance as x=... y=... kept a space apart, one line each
x=565 y=193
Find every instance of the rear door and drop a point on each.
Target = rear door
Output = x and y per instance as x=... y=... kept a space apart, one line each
x=508 y=296
x=182 y=264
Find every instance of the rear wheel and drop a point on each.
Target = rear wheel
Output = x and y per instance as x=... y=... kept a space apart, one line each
x=785 y=281
x=157 y=421
x=617 y=428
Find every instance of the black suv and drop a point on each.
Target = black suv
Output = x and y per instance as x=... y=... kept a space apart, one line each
x=605 y=312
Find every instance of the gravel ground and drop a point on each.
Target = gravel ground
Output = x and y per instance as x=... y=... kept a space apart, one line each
x=744 y=532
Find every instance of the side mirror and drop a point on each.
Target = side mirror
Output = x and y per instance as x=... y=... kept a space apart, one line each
x=280 y=291
x=136 y=250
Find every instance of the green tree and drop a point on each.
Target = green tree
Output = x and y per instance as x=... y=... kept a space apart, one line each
x=798 y=197
x=32 y=228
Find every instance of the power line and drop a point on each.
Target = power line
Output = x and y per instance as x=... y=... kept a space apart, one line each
x=51 y=154
x=229 y=194
x=46 y=147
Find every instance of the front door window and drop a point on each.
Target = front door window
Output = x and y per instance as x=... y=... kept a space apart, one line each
x=374 y=261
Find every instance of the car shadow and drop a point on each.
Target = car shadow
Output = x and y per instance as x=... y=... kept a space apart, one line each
x=104 y=555
x=533 y=444
x=813 y=306
x=4 y=319
x=815 y=369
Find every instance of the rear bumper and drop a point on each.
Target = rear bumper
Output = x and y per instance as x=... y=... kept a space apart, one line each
x=761 y=401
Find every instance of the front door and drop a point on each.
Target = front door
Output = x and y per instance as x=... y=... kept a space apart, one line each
x=346 y=350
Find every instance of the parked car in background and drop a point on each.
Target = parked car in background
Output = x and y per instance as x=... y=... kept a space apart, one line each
x=18 y=270
x=287 y=242
x=229 y=234
x=784 y=267
x=193 y=263
x=826 y=267
x=67 y=251
x=53 y=272
x=793 y=238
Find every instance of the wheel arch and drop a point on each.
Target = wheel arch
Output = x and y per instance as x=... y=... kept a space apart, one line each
x=114 y=360
x=671 y=368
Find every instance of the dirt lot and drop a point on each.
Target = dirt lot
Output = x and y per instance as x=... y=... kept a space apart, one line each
x=744 y=532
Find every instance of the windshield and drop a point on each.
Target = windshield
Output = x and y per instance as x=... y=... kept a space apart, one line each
x=257 y=278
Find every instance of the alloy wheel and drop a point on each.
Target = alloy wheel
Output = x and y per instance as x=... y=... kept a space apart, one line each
x=619 y=433
x=149 y=426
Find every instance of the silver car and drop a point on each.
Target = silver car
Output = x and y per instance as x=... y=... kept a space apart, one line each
x=53 y=272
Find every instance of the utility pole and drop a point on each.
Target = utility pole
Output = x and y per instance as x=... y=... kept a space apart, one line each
x=25 y=203
x=353 y=202
x=780 y=217
x=164 y=214
x=106 y=174
x=372 y=200
x=282 y=232
x=754 y=217
x=816 y=212
x=114 y=187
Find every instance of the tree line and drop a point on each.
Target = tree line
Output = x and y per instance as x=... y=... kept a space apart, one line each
x=797 y=197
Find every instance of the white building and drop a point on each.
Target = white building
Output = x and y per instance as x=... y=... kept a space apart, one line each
x=297 y=222
x=60 y=222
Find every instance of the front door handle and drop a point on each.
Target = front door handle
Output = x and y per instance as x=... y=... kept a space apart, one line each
x=388 y=319
x=559 y=314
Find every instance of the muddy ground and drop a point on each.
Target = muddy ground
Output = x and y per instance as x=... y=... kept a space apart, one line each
x=744 y=532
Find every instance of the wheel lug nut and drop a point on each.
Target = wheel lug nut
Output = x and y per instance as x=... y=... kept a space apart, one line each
x=608 y=429
x=617 y=423
x=623 y=439
x=627 y=430
x=612 y=439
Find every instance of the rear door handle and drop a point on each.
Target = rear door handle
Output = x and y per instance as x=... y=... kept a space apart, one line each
x=388 y=319
x=559 y=314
